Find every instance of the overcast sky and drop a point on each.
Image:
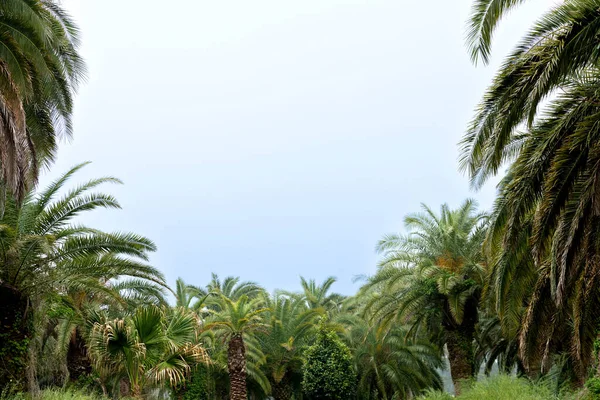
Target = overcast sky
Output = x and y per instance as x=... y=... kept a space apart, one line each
x=273 y=139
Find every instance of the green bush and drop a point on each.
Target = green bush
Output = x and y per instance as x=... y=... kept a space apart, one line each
x=197 y=386
x=501 y=387
x=328 y=369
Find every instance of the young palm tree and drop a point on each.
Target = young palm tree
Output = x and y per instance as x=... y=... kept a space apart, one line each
x=39 y=72
x=432 y=279
x=43 y=252
x=154 y=346
x=235 y=321
x=80 y=307
x=390 y=366
x=289 y=326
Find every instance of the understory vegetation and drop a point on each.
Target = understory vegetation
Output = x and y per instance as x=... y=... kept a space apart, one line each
x=498 y=304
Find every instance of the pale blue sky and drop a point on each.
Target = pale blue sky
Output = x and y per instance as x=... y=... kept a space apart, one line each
x=273 y=139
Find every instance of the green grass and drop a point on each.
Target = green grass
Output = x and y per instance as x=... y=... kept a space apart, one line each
x=55 y=394
x=501 y=387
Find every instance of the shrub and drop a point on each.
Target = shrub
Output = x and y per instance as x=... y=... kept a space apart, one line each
x=328 y=370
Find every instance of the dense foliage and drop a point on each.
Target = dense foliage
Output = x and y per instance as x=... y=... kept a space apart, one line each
x=462 y=291
x=328 y=369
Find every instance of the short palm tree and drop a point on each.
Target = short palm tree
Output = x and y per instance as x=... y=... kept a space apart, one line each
x=80 y=307
x=234 y=321
x=154 y=346
x=289 y=326
x=390 y=366
x=39 y=72
x=44 y=252
x=432 y=279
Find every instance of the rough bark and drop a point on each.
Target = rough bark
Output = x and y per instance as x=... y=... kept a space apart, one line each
x=236 y=364
x=124 y=387
x=282 y=390
x=459 y=341
x=78 y=362
x=16 y=328
x=460 y=356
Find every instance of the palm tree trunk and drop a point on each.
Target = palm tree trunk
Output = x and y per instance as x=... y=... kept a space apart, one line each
x=459 y=341
x=78 y=362
x=282 y=390
x=460 y=356
x=236 y=364
x=16 y=330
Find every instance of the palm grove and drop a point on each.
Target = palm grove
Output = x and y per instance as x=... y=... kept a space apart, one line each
x=463 y=289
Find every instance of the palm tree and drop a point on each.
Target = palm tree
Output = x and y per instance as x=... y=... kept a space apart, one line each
x=554 y=54
x=318 y=296
x=235 y=321
x=186 y=293
x=495 y=347
x=152 y=347
x=543 y=238
x=390 y=366
x=74 y=326
x=39 y=71
x=43 y=252
x=289 y=327
x=232 y=288
x=432 y=279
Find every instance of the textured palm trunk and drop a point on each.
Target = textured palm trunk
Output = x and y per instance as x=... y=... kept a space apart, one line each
x=460 y=356
x=282 y=390
x=124 y=387
x=236 y=364
x=78 y=362
x=16 y=330
x=459 y=341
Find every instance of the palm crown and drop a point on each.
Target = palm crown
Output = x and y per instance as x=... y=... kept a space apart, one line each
x=39 y=71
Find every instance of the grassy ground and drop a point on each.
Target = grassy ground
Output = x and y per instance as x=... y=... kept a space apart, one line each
x=55 y=394
x=504 y=387
x=501 y=387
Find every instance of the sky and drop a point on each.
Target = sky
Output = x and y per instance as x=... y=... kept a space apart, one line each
x=276 y=139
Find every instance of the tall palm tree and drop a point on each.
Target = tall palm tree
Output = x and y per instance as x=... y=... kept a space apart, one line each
x=235 y=321
x=44 y=252
x=544 y=236
x=289 y=326
x=40 y=69
x=554 y=54
x=152 y=347
x=432 y=278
